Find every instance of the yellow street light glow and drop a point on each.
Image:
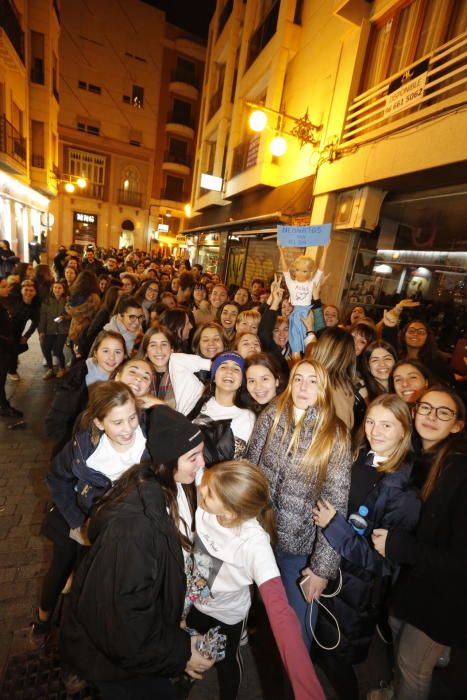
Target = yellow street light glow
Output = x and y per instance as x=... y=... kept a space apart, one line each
x=258 y=120
x=81 y=182
x=278 y=146
x=70 y=187
x=187 y=209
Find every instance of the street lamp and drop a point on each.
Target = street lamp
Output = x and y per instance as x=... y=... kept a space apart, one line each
x=302 y=128
x=71 y=182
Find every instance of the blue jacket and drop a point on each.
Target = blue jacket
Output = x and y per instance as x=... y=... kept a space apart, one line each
x=74 y=486
x=366 y=575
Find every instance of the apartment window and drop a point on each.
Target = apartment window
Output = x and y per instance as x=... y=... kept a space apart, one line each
x=181 y=112
x=96 y=89
x=87 y=126
x=174 y=188
x=409 y=32
x=137 y=96
x=55 y=77
x=269 y=10
x=37 y=58
x=224 y=15
x=91 y=166
x=135 y=137
x=37 y=144
x=178 y=151
x=17 y=118
x=185 y=71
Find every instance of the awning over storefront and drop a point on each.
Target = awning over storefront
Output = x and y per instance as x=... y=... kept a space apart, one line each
x=258 y=211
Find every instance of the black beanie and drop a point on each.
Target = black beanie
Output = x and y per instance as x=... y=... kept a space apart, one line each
x=170 y=435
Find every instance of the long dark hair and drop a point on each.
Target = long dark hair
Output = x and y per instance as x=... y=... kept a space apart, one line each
x=263 y=359
x=453 y=444
x=85 y=284
x=429 y=351
x=138 y=475
x=104 y=397
x=374 y=387
x=175 y=320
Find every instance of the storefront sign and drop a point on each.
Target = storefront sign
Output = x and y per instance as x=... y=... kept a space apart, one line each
x=83 y=218
x=211 y=182
x=407 y=90
x=303 y=236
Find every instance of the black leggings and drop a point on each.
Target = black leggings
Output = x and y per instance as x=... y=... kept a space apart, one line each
x=140 y=688
x=63 y=561
x=230 y=670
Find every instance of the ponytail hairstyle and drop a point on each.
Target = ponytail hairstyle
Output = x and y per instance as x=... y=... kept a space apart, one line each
x=452 y=445
x=244 y=491
x=329 y=432
x=103 y=398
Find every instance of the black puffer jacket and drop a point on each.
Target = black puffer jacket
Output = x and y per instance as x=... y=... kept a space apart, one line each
x=366 y=575
x=70 y=398
x=123 y=618
x=430 y=593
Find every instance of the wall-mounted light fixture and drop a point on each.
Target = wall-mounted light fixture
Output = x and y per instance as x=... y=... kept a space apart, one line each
x=302 y=128
x=71 y=182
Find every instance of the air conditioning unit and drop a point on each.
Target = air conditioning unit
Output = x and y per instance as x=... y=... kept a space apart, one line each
x=359 y=209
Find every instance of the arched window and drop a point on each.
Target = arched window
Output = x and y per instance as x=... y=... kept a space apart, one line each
x=130 y=190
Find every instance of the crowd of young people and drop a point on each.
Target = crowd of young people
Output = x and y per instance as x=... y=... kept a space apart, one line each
x=196 y=452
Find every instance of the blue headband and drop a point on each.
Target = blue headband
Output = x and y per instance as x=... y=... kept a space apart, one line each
x=226 y=357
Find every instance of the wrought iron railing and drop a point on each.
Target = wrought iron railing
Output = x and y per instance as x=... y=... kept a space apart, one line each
x=132 y=199
x=11 y=141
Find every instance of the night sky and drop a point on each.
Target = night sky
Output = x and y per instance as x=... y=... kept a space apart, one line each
x=192 y=15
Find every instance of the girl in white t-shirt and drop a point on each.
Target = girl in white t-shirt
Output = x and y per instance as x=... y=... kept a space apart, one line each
x=232 y=550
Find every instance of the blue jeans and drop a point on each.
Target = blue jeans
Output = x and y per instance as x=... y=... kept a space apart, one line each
x=290 y=566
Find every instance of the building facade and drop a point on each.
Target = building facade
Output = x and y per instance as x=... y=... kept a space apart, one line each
x=29 y=104
x=114 y=85
x=370 y=98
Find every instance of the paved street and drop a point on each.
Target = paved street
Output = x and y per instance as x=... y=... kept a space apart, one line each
x=24 y=555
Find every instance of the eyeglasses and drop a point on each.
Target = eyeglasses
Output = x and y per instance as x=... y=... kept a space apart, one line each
x=442 y=412
x=152 y=289
x=133 y=317
x=416 y=331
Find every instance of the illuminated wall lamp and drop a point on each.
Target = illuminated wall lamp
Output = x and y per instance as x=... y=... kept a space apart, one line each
x=278 y=146
x=302 y=129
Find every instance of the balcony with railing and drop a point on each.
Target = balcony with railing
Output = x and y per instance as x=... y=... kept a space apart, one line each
x=129 y=198
x=428 y=86
x=263 y=34
x=174 y=195
x=12 y=143
x=182 y=75
x=179 y=158
x=181 y=118
x=10 y=23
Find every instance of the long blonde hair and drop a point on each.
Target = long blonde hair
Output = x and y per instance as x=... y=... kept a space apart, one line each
x=244 y=491
x=328 y=430
x=401 y=413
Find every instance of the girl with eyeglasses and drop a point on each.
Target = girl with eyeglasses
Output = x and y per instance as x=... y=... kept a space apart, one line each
x=416 y=342
x=429 y=606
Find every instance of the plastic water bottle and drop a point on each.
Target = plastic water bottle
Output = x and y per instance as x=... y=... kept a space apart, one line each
x=358 y=520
